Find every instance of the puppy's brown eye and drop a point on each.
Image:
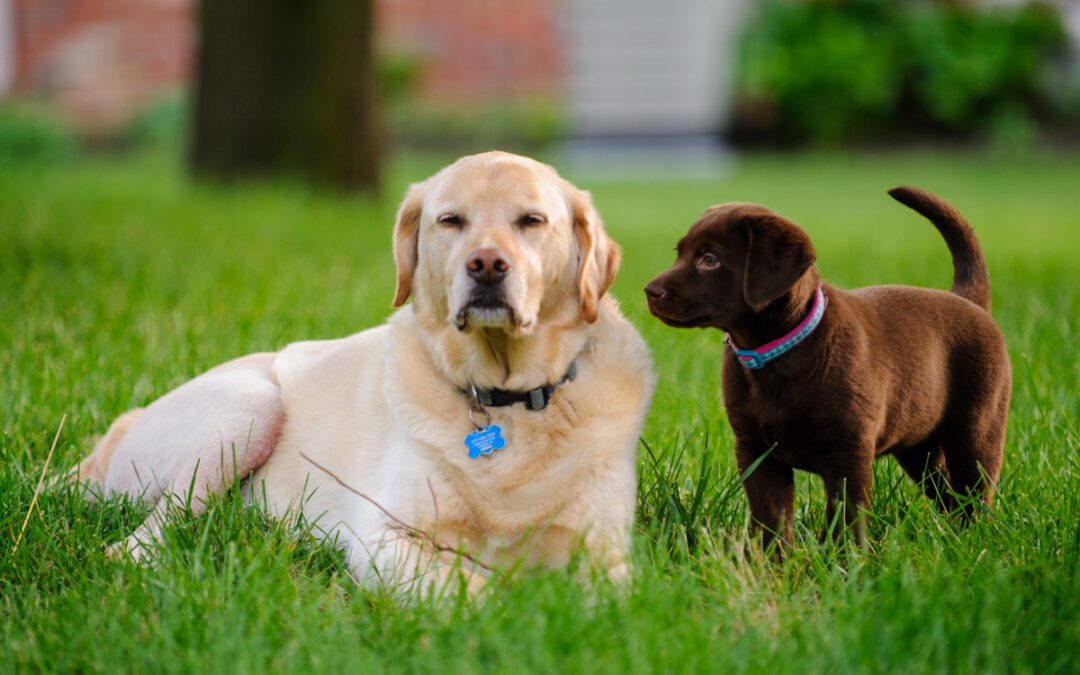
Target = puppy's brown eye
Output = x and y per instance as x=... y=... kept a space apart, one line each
x=531 y=219
x=709 y=260
x=451 y=220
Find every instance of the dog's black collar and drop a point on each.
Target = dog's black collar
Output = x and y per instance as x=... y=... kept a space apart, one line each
x=534 y=399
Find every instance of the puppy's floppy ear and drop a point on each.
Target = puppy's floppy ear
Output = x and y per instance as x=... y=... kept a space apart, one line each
x=779 y=253
x=599 y=253
x=406 y=237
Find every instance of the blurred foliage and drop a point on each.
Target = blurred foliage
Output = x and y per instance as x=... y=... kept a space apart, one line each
x=521 y=126
x=31 y=133
x=833 y=72
x=164 y=121
x=398 y=75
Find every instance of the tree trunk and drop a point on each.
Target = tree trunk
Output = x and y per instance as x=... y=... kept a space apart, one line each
x=287 y=87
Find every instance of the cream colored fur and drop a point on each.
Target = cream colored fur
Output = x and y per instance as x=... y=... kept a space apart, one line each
x=384 y=412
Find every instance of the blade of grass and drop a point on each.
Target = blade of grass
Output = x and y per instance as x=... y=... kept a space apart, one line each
x=40 y=484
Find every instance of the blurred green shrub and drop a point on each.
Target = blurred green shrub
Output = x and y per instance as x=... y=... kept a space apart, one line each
x=845 y=71
x=32 y=134
x=162 y=122
x=398 y=73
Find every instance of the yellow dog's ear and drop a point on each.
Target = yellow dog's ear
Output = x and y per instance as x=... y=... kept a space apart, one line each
x=599 y=254
x=406 y=238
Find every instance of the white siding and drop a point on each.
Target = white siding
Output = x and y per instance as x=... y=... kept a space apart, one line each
x=650 y=67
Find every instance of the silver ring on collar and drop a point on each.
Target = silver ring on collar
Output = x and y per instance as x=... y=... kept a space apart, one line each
x=487 y=417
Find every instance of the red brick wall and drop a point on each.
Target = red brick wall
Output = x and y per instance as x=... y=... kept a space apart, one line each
x=100 y=61
x=478 y=48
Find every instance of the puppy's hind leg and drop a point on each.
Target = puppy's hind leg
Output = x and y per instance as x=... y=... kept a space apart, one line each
x=974 y=447
x=925 y=464
x=973 y=432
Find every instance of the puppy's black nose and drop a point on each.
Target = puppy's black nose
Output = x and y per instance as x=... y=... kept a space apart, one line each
x=487 y=265
x=654 y=291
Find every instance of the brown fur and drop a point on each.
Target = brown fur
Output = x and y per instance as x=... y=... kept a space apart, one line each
x=917 y=373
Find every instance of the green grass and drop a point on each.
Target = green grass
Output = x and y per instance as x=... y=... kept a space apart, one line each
x=121 y=279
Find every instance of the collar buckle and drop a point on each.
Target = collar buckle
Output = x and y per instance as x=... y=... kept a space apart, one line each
x=751 y=360
x=537 y=400
x=534 y=399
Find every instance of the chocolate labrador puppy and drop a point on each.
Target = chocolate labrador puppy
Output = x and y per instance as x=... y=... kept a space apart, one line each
x=826 y=380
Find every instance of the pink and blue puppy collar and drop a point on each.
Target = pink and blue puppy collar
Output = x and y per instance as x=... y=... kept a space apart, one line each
x=755 y=359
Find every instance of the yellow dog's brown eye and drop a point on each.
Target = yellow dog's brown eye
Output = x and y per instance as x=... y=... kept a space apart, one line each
x=531 y=219
x=451 y=219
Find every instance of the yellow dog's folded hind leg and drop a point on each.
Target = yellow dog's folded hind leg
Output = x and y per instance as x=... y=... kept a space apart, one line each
x=190 y=444
x=93 y=469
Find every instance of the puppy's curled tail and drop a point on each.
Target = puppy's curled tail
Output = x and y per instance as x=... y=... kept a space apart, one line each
x=970 y=277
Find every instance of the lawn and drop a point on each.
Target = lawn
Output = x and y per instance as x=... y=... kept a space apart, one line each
x=121 y=279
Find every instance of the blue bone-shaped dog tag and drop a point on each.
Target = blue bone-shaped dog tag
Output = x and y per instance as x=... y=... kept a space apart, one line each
x=483 y=441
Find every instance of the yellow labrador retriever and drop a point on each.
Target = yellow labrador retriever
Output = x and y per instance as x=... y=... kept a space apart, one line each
x=493 y=419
